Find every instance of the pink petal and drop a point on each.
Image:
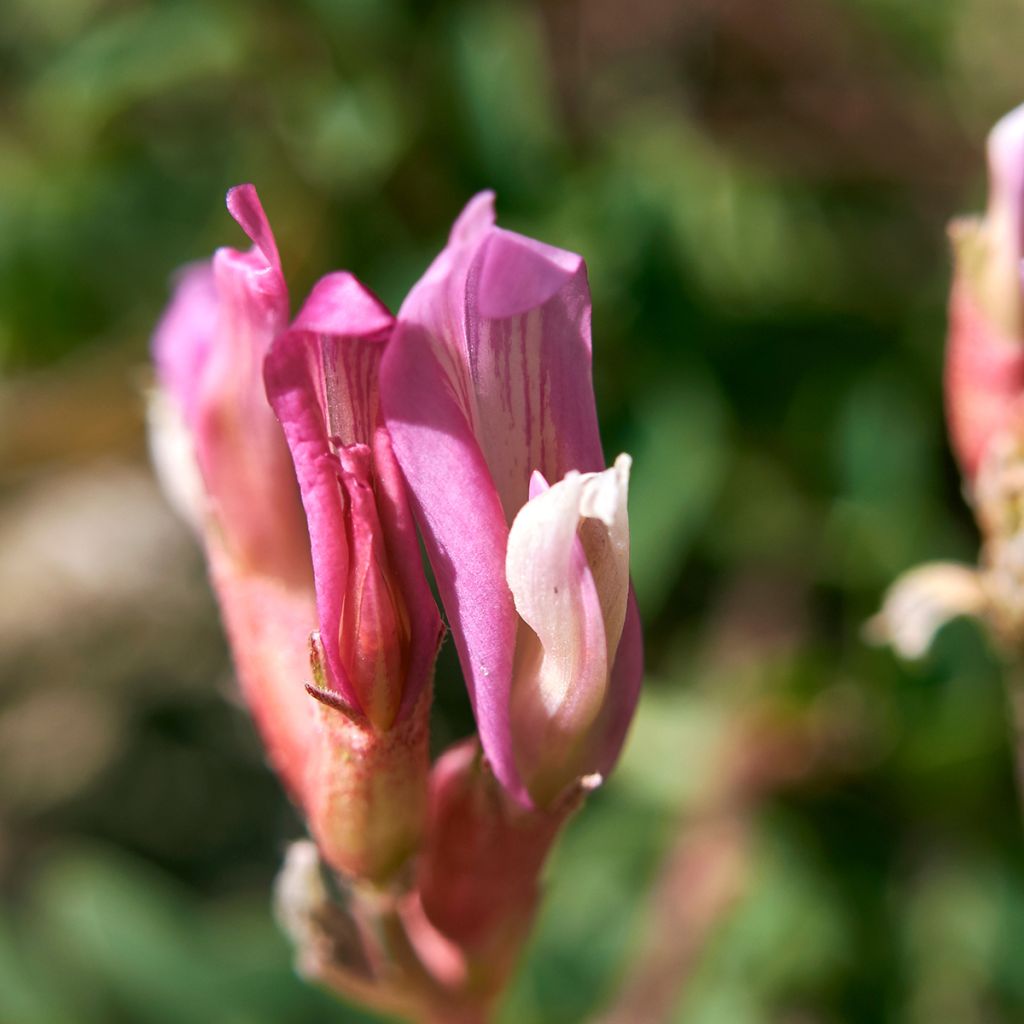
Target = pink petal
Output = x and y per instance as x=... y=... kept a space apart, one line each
x=1006 y=181
x=984 y=379
x=623 y=691
x=209 y=349
x=244 y=205
x=486 y=380
x=181 y=342
x=321 y=379
x=464 y=530
x=528 y=341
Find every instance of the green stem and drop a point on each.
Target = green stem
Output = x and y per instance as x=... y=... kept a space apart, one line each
x=1014 y=676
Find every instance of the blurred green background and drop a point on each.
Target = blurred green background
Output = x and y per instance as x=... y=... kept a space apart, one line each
x=803 y=829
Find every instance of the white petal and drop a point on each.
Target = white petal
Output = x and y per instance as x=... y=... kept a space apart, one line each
x=173 y=456
x=921 y=602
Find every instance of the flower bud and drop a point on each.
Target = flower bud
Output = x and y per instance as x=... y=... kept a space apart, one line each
x=479 y=871
x=222 y=458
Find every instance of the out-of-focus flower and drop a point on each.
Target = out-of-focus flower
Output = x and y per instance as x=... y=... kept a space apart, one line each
x=209 y=350
x=488 y=397
x=921 y=602
x=985 y=354
x=985 y=415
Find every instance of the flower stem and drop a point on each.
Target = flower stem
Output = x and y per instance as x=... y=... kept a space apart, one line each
x=1014 y=676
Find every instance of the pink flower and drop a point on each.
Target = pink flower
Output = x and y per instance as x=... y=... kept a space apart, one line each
x=985 y=353
x=357 y=762
x=488 y=397
x=379 y=626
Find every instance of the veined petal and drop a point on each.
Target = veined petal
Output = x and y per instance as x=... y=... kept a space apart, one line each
x=322 y=380
x=464 y=530
x=508 y=320
x=528 y=337
x=488 y=378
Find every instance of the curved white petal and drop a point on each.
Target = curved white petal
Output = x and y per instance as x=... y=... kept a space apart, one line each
x=921 y=602
x=567 y=568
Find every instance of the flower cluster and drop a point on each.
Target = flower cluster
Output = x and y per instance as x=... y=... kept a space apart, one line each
x=313 y=455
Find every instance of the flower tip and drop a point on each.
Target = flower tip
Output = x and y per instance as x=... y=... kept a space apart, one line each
x=538 y=484
x=341 y=304
x=519 y=274
x=604 y=494
x=243 y=203
x=477 y=216
x=1006 y=148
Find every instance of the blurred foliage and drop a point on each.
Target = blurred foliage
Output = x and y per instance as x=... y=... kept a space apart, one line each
x=760 y=191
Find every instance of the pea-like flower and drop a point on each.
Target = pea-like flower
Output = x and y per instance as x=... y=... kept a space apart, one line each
x=487 y=394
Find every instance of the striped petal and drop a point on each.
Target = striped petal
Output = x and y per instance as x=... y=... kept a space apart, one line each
x=487 y=380
x=378 y=623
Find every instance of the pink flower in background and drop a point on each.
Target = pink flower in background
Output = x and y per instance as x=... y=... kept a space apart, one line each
x=985 y=353
x=488 y=397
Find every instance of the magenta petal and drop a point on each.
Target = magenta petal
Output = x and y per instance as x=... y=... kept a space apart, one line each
x=406 y=562
x=464 y=531
x=322 y=382
x=244 y=205
x=527 y=338
x=518 y=274
x=623 y=690
x=181 y=342
x=209 y=349
x=487 y=379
